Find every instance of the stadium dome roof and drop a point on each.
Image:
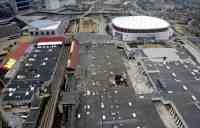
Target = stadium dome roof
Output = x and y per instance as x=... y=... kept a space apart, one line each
x=140 y=23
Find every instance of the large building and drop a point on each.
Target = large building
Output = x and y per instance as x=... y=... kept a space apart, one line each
x=145 y=28
x=40 y=70
x=46 y=27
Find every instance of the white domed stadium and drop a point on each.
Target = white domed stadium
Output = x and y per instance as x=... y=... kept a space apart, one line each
x=133 y=28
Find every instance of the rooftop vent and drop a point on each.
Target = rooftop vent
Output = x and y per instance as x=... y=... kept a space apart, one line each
x=174 y=74
x=130 y=104
x=10 y=94
x=27 y=93
x=115 y=126
x=141 y=97
x=50 y=50
x=195 y=70
x=133 y=115
x=44 y=63
x=168 y=67
x=88 y=106
x=194 y=98
x=186 y=66
x=34 y=55
x=185 y=87
x=20 y=76
x=12 y=89
x=28 y=64
x=193 y=73
x=31 y=59
x=170 y=92
x=32 y=88
x=46 y=58
x=102 y=105
x=87 y=113
x=103 y=117
x=79 y=116
x=37 y=76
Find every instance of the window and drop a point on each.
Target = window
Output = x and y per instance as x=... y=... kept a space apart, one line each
x=42 y=33
x=31 y=33
x=36 y=33
x=47 y=32
x=53 y=32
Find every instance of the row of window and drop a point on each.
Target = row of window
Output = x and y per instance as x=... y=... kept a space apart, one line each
x=139 y=31
x=42 y=33
x=177 y=120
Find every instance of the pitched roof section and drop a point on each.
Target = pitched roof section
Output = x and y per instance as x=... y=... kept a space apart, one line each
x=51 y=40
x=20 y=51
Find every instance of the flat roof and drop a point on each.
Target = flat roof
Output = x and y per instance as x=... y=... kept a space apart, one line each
x=169 y=53
x=37 y=68
x=107 y=105
x=45 y=24
x=140 y=23
x=178 y=82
